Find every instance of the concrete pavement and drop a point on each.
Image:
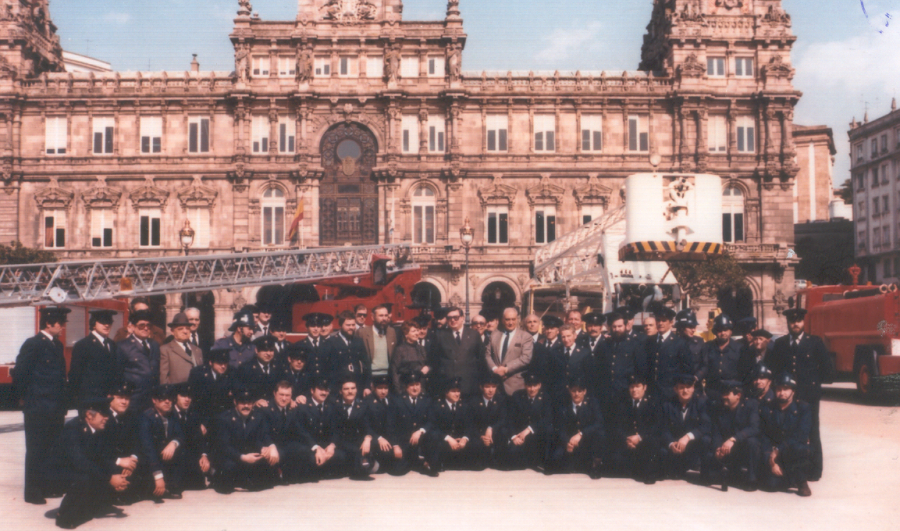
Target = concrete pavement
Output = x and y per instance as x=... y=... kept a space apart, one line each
x=858 y=491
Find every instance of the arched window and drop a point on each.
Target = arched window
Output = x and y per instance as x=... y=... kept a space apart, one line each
x=732 y=215
x=423 y=205
x=272 y=206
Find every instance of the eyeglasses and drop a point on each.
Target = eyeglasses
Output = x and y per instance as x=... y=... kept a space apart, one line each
x=361 y=314
x=454 y=317
x=479 y=323
x=142 y=326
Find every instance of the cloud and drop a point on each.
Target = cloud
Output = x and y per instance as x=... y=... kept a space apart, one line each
x=117 y=18
x=563 y=44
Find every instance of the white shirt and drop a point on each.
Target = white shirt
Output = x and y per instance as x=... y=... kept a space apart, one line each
x=101 y=338
x=50 y=337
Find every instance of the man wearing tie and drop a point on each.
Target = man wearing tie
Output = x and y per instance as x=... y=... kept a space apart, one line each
x=458 y=353
x=312 y=344
x=280 y=329
x=581 y=441
x=178 y=357
x=594 y=336
x=260 y=374
x=139 y=357
x=244 y=454
x=479 y=325
x=95 y=365
x=161 y=446
x=510 y=351
x=264 y=322
x=637 y=431
x=193 y=315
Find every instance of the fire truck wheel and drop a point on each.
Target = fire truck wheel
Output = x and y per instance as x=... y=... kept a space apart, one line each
x=864 y=380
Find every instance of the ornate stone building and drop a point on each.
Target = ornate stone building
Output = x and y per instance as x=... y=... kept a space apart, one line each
x=370 y=121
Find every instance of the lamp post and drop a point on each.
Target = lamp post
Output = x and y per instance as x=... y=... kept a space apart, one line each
x=187 y=236
x=467 y=235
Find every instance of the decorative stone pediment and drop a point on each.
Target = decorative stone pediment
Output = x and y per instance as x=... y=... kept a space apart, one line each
x=54 y=197
x=777 y=68
x=545 y=192
x=149 y=196
x=593 y=193
x=692 y=67
x=349 y=11
x=498 y=193
x=197 y=196
x=101 y=196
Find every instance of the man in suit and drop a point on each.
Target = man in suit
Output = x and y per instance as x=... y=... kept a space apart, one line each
x=139 y=304
x=280 y=328
x=39 y=376
x=571 y=360
x=735 y=436
x=238 y=342
x=686 y=431
x=786 y=423
x=139 y=356
x=347 y=356
x=213 y=387
x=316 y=428
x=353 y=436
x=806 y=359
x=533 y=326
x=574 y=318
x=479 y=325
x=284 y=432
x=637 y=431
x=381 y=409
x=197 y=339
x=379 y=340
x=685 y=328
x=489 y=424
x=547 y=359
x=244 y=454
x=509 y=353
x=95 y=365
x=263 y=320
x=161 y=446
x=450 y=429
x=531 y=426
x=411 y=422
x=260 y=374
x=666 y=356
x=178 y=357
x=580 y=444
x=195 y=461
x=457 y=352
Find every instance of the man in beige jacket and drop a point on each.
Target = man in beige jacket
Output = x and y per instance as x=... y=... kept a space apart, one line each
x=179 y=356
x=509 y=352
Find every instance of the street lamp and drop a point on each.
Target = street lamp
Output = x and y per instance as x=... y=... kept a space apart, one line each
x=467 y=234
x=187 y=236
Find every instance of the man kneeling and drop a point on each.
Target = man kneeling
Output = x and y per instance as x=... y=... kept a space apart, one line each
x=686 y=431
x=449 y=436
x=162 y=446
x=244 y=454
x=581 y=433
x=735 y=436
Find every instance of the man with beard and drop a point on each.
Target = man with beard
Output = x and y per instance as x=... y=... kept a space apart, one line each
x=615 y=360
x=380 y=339
x=787 y=426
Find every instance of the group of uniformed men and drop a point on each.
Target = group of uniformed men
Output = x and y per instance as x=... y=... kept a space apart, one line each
x=591 y=395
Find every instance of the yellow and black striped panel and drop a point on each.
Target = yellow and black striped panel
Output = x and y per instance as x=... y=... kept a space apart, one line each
x=665 y=249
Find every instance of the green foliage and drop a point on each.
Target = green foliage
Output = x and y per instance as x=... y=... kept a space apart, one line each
x=825 y=264
x=16 y=253
x=846 y=192
x=707 y=279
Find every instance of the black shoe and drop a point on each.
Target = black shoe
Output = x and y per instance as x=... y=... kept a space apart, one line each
x=724 y=487
x=361 y=477
x=428 y=471
x=224 y=490
x=650 y=481
x=67 y=524
x=36 y=500
x=803 y=490
x=172 y=496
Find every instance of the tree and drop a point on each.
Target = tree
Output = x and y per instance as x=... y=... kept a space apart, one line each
x=16 y=253
x=846 y=192
x=709 y=278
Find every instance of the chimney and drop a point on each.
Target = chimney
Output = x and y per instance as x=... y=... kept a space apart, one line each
x=195 y=65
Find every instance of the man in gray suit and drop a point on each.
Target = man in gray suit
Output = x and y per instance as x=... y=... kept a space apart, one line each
x=509 y=352
x=179 y=356
x=457 y=352
x=379 y=339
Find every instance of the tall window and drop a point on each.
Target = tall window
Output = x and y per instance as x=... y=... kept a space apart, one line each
x=715 y=66
x=497 y=131
x=860 y=151
x=198 y=135
x=638 y=134
x=54 y=229
x=591 y=133
x=151 y=134
x=874 y=172
x=436 y=134
x=261 y=65
x=348 y=66
x=101 y=227
x=884 y=143
x=150 y=227
x=717 y=135
x=286 y=130
x=874 y=145
x=199 y=218
x=544 y=132
x=287 y=66
x=272 y=217
x=260 y=134
x=375 y=66
x=55 y=135
x=423 y=201
x=497 y=225
x=104 y=132
x=732 y=215
x=436 y=66
x=884 y=173
x=746 y=135
x=590 y=213
x=743 y=67
x=322 y=66
x=410 y=125
x=409 y=66
x=544 y=224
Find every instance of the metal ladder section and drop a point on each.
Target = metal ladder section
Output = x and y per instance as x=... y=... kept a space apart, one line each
x=69 y=282
x=573 y=258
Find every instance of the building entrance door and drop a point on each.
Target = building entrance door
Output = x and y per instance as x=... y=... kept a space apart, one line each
x=348 y=197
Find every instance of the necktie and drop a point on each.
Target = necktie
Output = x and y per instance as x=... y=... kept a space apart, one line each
x=636 y=404
x=194 y=339
x=422 y=343
x=349 y=411
x=189 y=352
x=458 y=338
x=504 y=348
x=165 y=426
x=266 y=369
x=265 y=330
x=593 y=344
x=569 y=352
x=413 y=400
x=146 y=348
x=321 y=408
x=452 y=407
x=283 y=414
x=106 y=344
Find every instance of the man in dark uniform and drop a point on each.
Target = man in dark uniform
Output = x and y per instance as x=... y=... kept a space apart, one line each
x=735 y=436
x=574 y=319
x=279 y=330
x=685 y=328
x=450 y=429
x=457 y=353
x=568 y=360
x=786 y=423
x=296 y=373
x=284 y=432
x=636 y=442
x=87 y=469
x=121 y=434
x=239 y=345
x=39 y=377
x=531 y=425
x=721 y=358
x=244 y=454
x=685 y=430
x=761 y=384
x=412 y=421
x=615 y=360
x=315 y=424
x=489 y=424
x=630 y=331
x=139 y=358
x=581 y=441
x=594 y=324
x=312 y=343
x=666 y=357
x=347 y=356
x=352 y=433
x=161 y=446
x=195 y=463
x=95 y=365
x=547 y=359
x=806 y=359
x=755 y=354
x=213 y=386
x=381 y=408
x=259 y=375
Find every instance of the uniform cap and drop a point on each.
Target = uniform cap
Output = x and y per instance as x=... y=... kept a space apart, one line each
x=244 y=396
x=577 y=381
x=123 y=388
x=280 y=325
x=266 y=342
x=452 y=383
x=594 y=318
x=320 y=382
x=551 y=321
x=665 y=313
x=408 y=378
x=795 y=314
x=761 y=332
x=182 y=389
x=249 y=308
x=323 y=319
x=732 y=386
x=103 y=316
x=219 y=355
x=163 y=391
x=492 y=378
x=625 y=312
x=722 y=322
x=100 y=405
x=785 y=380
x=637 y=379
x=297 y=352
x=684 y=379
x=532 y=378
x=381 y=379
x=58 y=312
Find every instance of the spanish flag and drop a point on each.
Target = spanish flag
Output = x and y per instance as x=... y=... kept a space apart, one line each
x=298 y=217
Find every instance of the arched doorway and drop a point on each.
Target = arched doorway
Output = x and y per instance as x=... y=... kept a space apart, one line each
x=426 y=294
x=496 y=297
x=205 y=301
x=348 y=197
x=736 y=302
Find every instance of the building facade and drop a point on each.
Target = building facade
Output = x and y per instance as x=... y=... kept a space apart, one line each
x=371 y=122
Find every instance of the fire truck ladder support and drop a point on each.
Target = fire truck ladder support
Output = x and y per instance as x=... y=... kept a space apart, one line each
x=69 y=282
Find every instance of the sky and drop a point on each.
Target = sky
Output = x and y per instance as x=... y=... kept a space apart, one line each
x=845 y=55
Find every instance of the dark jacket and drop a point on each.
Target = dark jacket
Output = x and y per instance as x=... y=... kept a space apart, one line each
x=94 y=369
x=195 y=443
x=81 y=452
x=347 y=359
x=464 y=360
x=234 y=439
x=809 y=364
x=315 y=427
x=447 y=422
x=492 y=415
x=282 y=427
x=154 y=436
x=410 y=418
x=666 y=359
x=139 y=367
x=785 y=429
x=675 y=425
x=613 y=363
x=39 y=375
x=588 y=421
x=350 y=430
x=121 y=434
x=721 y=364
x=301 y=382
x=240 y=353
x=406 y=359
x=525 y=412
x=252 y=377
x=742 y=423
x=212 y=393
x=643 y=420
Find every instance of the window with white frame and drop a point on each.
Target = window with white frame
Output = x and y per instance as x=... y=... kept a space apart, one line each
x=717 y=133
x=54 y=229
x=544 y=132
x=732 y=215
x=56 y=135
x=198 y=134
x=436 y=126
x=409 y=124
x=544 y=224
x=199 y=218
x=102 y=223
x=287 y=130
x=322 y=66
x=409 y=66
x=591 y=133
x=348 y=66
x=423 y=208
x=287 y=66
x=746 y=135
x=151 y=219
x=743 y=66
x=375 y=66
x=638 y=134
x=874 y=145
x=590 y=212
x=104 y=134
x=497 y=225
x=860 y=152
x=436 y=66
x=261 y=65
x=151 y=134
x=715 y=66
x=497 y=132
x=272 y=207
x=260 y=136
